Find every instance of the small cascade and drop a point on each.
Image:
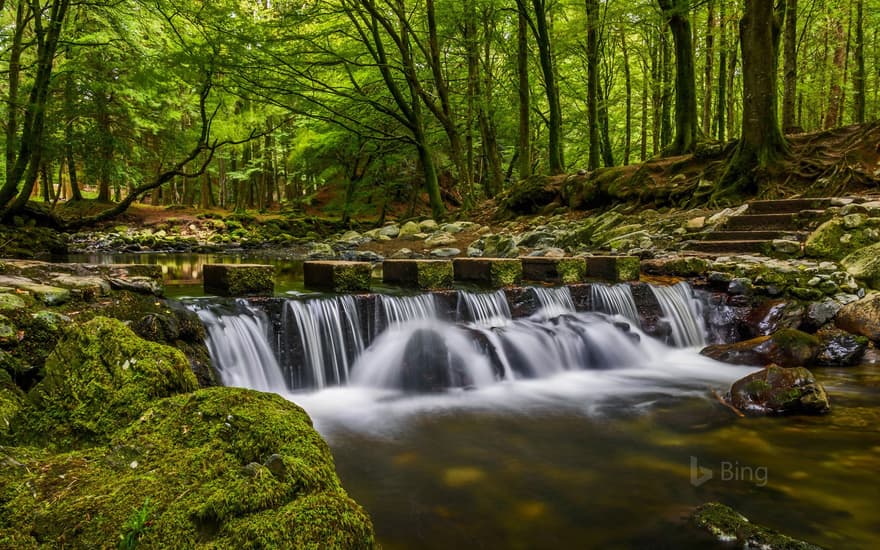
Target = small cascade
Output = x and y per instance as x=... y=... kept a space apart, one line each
x=238 y=342
x=720 y=318
x=682 y=311
x=434 y=355
x=554 y=301
x=615 y=300
x=324 y=337
x=484 y=308
x=395 y=310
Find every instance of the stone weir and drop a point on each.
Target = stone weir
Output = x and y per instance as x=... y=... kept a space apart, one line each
x=317 y=339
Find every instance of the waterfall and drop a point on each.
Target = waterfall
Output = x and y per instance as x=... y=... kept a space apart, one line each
x=396 y=310
x=328 y=334
x=238 y=342
x=682 y=311
x=554 y=301
x=484 y=308
x=615 y=300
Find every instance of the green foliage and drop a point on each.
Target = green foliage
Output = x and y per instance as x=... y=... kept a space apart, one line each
x=135 y=526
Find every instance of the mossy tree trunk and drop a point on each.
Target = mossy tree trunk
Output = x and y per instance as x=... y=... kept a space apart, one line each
x=592 y=7
x=677 y=13
x=761 y=145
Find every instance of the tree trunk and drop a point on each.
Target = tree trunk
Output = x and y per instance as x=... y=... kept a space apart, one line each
x=721 y=108
x=790 y=68
x=667 y=87
x=835 y=93
x=677 y=15
x=592 y=7
x=627 y=81
x=545 y=55
x=761 y=144
x=859 y=75
x=524 y=132
x=494 y=178
x=709 y=68
x=643 y=148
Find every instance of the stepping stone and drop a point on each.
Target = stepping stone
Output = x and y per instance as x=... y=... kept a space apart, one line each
x=496 y=272
x=338 y=276
x=554 y=270
x=762 y=222
x=239 y=279
x=423 y=274
x=613 y=269
x=788 y=206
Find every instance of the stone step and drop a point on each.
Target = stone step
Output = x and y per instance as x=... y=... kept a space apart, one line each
x=762 y=222
x=495 y=272
x=239 y=279
x=755 y=235
x=422 y=274
x=554 y=270
x=337 y=276
x=728 y=247
x=788 y=206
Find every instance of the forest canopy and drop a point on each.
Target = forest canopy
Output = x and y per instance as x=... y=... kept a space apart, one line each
x=263 y=104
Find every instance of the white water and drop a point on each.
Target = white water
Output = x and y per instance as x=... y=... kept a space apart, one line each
x=484 y=308
x=330 y=336
x=239 y=346
x=682 y=311
x=403 y=309
x=554 y=301
x=616 y=300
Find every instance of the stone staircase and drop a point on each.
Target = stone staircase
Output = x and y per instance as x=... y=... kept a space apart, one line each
x=767 y=226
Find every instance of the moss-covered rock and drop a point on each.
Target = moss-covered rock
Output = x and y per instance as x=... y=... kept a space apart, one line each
x=775 y=390
x=837 y=238
x=864 y=265
x=337 y=276
x=239 y=279
x=99 y=378
x=728 y=525
x=11 y=400
x=839 y=348
x=530 y=195
x=786 y=347
x=217 y=468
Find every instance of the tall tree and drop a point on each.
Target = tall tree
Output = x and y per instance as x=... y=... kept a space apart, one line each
x=592 y=7
x=677 y=15
x=790 y=66
x=524 y=129
x=859 y=76
x=761 y=144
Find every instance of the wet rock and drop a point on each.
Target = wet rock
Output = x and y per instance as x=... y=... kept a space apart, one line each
x=740 y=286
x=772 y=316
x=735 y=530
x=786 y=347
x=429 y=366
x=838 y=348
x=861 y=317
x=777 y=390
x=819 y=313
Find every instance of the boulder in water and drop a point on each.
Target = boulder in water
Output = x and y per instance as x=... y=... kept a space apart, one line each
x=776 y=390
x=429 y=366
x=786 y=347
x=840 y=349
x=862 y=317
x=728 y=525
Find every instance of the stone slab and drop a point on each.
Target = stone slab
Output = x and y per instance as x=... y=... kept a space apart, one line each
x=554 y=270
x=423 y=274
x=613 y=269
x=337 y=276
x=496 y=272
x=239 y=279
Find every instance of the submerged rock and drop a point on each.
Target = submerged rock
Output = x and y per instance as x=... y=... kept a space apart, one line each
x=786 y=347
x=727 y=525
x=776 y=390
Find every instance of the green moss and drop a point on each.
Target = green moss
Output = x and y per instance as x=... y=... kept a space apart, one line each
x=98 y=378
x=11 y=401
x=222 y=468
x=728 y=525
x=351 y=277
x=834 y=240
x=628 y=268
x=11 y=302
x=864 y=265
x=505 y=273
x=571 y=270
x=434 y=274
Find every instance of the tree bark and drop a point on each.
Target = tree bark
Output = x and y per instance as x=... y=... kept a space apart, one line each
x=677 y=16
x=524 y=131
x=790 y=69
x=541 y=30
x=709 y=68
x=721 y=108
x=859 y=76
x=835 y=93
x=627 y=81
x=592 y=7
x=761 y=144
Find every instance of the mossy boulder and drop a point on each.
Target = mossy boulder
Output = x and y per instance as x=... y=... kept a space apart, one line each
x=776 y=390
x=529 y=196
x=11 y=400
x=217 y=468
x=786 y=347
x=864 y=265
x=727 y=525
x=839 y=237
x=99 y=378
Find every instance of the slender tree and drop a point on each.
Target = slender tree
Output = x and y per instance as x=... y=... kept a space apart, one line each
x=677 y=15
